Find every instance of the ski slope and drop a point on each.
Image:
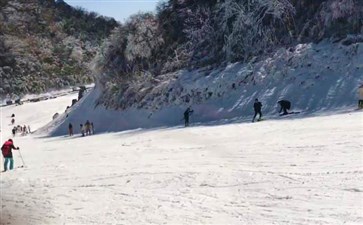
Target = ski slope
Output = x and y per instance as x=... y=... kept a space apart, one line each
x=283 y=171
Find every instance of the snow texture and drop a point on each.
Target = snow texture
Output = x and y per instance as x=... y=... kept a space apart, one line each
x=290 y=171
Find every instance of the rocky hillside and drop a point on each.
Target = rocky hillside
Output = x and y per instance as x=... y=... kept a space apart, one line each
x=191 y=34
x=46 y=44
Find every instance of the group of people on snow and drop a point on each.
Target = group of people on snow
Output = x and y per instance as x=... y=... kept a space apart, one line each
x=23 y=130
x=285 y=105
x=87 y=129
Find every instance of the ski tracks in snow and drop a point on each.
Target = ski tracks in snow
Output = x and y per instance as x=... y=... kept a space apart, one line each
x=304 y=171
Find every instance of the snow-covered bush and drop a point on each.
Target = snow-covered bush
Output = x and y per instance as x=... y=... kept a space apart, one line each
x=249 y=27
x=143 y=37
x=191 y=34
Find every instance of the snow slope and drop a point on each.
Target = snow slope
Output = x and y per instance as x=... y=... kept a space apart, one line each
x=301 y=171
x=316 y=78
x=34 y=114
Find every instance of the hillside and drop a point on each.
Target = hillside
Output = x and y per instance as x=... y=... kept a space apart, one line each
x=316 y=78
x=46 y=44
x=190 y=35
x=316 y=72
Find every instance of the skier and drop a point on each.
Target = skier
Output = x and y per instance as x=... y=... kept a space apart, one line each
x=92 y=128
x=8 y=155
x=70 y=129
x=12 y=115
x=187 y=114
x=25 y=130
x=360 y=101
x=82 y=129
x=285 y=105
x=12 y=121
x=88 y=127
x=257 y=107
x=13 y=131
x=29 y=129
x=81 y=91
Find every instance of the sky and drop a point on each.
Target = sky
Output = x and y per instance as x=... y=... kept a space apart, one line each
x=118 y=9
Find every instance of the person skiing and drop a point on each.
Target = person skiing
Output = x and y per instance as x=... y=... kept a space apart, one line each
x=285 y=105
x=25 y=130
x=70 y=129
x=7 y=154
x=12 y=121
x=82 y=129
x=187 y=114
x=92 y=128
x=13 y=131
x=88 y=127
x=257 y=107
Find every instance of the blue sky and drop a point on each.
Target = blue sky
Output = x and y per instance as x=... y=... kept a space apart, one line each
x=118 y=9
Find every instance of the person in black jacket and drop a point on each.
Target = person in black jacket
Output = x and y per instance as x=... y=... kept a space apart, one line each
x=257 y=107
x=13 y=131
x=87 y=127
x=187 y=114
x=70 y=129
x=285 y=105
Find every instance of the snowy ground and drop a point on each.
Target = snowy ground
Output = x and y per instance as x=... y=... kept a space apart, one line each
x=291 y=171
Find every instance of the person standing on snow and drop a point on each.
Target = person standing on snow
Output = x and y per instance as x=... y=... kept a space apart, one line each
x=92 y=128
x=285 y=105
x=257 y=107
x=7 y=154
x=88 y=127
x=187 y=114
x=82 y=129
x=70 y=129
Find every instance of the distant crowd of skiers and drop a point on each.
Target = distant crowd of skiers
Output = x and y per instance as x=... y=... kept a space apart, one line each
x=87 y=129
x=23 y=130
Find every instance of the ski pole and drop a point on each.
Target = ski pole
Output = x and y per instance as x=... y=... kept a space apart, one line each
x=21 y=158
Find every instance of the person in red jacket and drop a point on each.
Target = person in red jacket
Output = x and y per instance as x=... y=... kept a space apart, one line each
x=8 y=154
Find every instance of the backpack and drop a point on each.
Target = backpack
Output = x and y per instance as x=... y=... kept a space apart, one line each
x=6 y=149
